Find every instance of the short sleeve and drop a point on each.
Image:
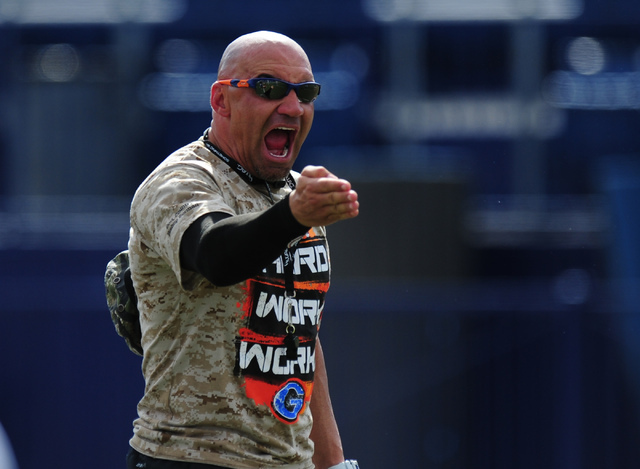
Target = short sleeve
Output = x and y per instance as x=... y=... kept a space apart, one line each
x=167 y=203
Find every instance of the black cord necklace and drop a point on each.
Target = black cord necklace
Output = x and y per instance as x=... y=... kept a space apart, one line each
x=242 y=172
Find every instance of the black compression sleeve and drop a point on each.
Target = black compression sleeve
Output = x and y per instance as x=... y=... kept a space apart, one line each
x=229 y=249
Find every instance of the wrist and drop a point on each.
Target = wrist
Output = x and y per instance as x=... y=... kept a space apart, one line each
x=292 y=220
x=348 y=464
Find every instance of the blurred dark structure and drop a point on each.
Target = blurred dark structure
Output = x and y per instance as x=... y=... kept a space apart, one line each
x=484 y=311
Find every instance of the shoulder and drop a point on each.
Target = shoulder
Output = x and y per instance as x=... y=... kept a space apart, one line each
x=192 y=156
x=191 y=163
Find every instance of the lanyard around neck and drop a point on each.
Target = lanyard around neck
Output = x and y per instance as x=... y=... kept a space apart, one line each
x=242 y=172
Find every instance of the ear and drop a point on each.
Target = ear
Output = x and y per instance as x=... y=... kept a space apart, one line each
x=219 y=101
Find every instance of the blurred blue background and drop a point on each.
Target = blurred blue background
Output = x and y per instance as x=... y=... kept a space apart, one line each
x=484 y=310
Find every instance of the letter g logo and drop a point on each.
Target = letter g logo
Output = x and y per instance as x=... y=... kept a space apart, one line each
x=289 y=401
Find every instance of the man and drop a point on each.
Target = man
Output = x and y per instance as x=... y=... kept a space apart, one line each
x=230 y=265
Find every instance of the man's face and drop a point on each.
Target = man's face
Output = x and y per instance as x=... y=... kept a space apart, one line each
x=265 y=136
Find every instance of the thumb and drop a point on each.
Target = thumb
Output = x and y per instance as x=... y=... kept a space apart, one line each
x=316 y=172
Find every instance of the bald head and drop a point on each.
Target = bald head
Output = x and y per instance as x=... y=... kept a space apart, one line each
x=239 y=53
x=264 y=135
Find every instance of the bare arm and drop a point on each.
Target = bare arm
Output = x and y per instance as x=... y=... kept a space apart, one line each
x=320 y=199
x=324 y=434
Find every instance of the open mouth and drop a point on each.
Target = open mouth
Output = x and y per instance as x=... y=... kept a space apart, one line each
x=278 y=141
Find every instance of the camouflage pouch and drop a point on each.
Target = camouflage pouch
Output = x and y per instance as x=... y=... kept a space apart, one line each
x=122 y=301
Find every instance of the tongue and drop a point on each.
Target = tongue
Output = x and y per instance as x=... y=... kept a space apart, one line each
x=276 y=141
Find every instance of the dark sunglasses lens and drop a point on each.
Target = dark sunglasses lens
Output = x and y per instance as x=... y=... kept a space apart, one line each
x=307 y=93
x=271 y=89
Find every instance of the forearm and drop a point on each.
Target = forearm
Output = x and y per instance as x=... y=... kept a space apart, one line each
x=229 y=249
x=324 y=434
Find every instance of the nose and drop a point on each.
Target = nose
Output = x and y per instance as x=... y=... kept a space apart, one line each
x=291 y=106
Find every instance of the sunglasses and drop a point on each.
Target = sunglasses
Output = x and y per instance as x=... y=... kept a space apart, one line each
x=273 y=88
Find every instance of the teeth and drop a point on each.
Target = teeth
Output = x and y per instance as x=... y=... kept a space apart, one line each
x=286 y=147
x=283 y=155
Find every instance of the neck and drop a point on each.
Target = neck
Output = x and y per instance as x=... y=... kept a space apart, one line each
x=240 y=170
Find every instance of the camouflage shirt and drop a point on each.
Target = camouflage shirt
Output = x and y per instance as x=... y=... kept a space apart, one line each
x=220 y=387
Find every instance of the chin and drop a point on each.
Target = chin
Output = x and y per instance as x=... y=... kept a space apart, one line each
x=275 y=168
x=272 y=173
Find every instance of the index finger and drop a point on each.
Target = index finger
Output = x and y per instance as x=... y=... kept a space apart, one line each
x=327 y=184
